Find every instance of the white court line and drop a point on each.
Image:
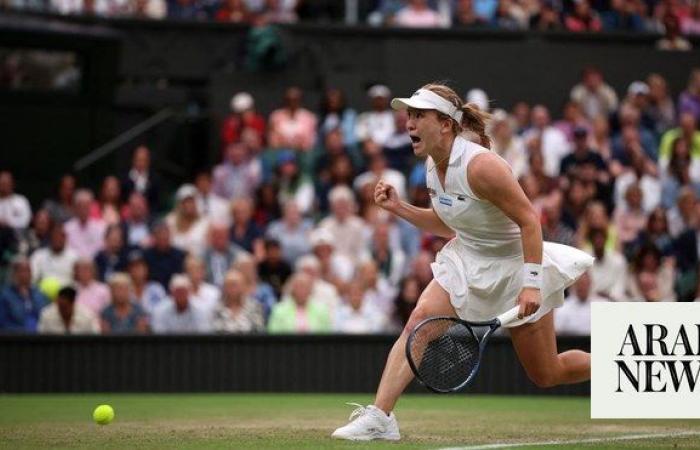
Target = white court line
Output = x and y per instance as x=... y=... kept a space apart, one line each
x=576 y=441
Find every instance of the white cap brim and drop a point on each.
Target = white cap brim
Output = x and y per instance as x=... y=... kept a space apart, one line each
x=426 y=99
x=415 y=103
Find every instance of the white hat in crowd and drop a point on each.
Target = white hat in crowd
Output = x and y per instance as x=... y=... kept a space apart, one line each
x=379 y=90
x=637 y=88
x=185 y=191
x=241 y=102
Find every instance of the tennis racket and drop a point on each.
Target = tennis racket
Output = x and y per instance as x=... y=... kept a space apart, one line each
x=445 y=353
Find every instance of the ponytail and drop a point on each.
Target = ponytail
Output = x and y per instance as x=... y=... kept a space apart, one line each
x=474 y=119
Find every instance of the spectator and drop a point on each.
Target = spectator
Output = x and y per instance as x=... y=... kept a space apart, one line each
x=61 y=208
x=322 y=290
x=113 y=258
x=245 y=232
x=259 y=290
x=209 y=205
x=595 y=96
x=298 y=312
x=203 y=295
x=187 y=10
x=683 y=216
x=417 y=14
x=220 y=254
x=629 y=217
x=643 y=172
x=677 y=174
x=336 y=115
x=238 y=175
x=623 y=16
x=356 y=315
x=390 y=260
x=64 y=316
x=687 y=132
x=655 y=233
x=649 y=278
x=572 y=119
x=583 y=18
x=147 y=294
x=509 y=15
x=148 y=9
x=85 y=235
x=292 y=184
x=553 y=228
x=336 y=268
x=233 y=11
x=107 y=207
x=187 y=227
x=177 y=315
x=243 y=117
x=162 y=258
x=38 y=235
x=137 y=225
x=398 y=148
x=278 y=11
x=140 y=178
x=466 y=16
x=690 y=24
x=292 y=126
x=15 y=211
x=689 y=100
x=378 y=170
x=553 y=142
x=375 y=127
x=348 y=231
x=378 y=292
x=92 y=294
x=20 y=301
x=56 y=260
x=661 y=108
x=574 y=317
x=600 y=138
x=509 y=146
x=292 y=232
x=123 y=315
x=608 y=266
x=237 y=312
x=673 y=40
x=273 y=269
x=547 y=18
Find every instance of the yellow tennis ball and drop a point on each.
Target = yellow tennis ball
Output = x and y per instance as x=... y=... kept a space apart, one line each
x=103 y=414
x=49 y=286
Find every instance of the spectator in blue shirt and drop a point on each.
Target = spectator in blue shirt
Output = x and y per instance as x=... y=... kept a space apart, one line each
x=163 y=259
x=20 y=301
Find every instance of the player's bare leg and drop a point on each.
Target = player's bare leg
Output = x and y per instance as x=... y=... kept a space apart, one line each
x=536 y=346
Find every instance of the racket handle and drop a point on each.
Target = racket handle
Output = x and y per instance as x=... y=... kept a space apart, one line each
x=509 y=316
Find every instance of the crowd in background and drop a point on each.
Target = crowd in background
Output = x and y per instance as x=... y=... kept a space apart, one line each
x=283 y=236
x=674 y=18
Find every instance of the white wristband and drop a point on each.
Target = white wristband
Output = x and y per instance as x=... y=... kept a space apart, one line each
x=532 y=275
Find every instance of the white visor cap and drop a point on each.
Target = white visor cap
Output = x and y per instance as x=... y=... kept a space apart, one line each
x=425 y=99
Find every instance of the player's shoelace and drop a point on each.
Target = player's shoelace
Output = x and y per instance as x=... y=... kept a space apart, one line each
x=359 y=411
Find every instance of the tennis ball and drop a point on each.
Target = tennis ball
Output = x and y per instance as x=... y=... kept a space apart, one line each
x=49 y=286
x=103 y=414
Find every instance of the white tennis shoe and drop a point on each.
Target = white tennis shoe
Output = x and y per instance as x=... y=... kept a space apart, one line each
x=369 y=423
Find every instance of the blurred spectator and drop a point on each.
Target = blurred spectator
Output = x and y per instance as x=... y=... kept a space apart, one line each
x=162 y=258
x=336 y=115
x=203 y=295
x=244 y=231
x=661 y=109
x=642 y=173
x=85 y=235
x=220 y=254
x=574 y=316
x=600 y=138
x=650 y=279
x=677 y=174
x=238 y=175
x=572 y=119
x=214 y=207
x=684 y=140
x=15 y=211
x=623 y=16
x=356 y=315
x=38 y=235
x=547 y=18
x=629 y=218
x=336 y=268
x=137 y=225
x=405 y=303
x=521 y=118
x=148 y=294
x=92 y=294
x=56 y=260
x=237 y=312
x=60 y=208
x=273 y=269
x=582 y=156
x=689 y=100
x=417 y=14
x=187 y=227
x=292 y=126
x=348 y=231
x=553 y=143
x=608 y=267
x=583 y=18
x=509 y=15
x=378 y=292
x=536 y=162
x=509 y=146
x=140 y=178
x=107 y=207
x=266 y=205
x=655 y=233
x=148 y=9
x=123 y=315
x=638 y=98
x=298 y=312
x=595 y=96
x=391 y=261
x=465 y=15
x=322 y=290
x=187 y=10
x=672 y=39
x=421 y=270
x=243 y=117
x=398 y=148
x=682 y=215
x=177 y=314
x=292 y=184
x=378 y=170
x=690 y=24
x=292 y=232
x=375 y=127
x=113 y=258
x=339 y=170
x=64 y=316
x=553 y=228
x=278 y=11
x=20 y=301
x=259 y=290
x=233 y=11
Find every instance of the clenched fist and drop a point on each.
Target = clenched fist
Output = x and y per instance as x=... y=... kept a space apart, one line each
x=385 y=196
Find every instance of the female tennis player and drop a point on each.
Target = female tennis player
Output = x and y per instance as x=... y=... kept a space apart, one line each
x=495 y=260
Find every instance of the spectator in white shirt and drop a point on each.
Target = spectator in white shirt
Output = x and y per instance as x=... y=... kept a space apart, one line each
x=214 y=207
x=56 y=260
x=609 y=268
x=417 y=14
x=554 y=144
x=15 y=211
x=348 y=231
x=574 y=317
x=375 y=127
x=85 y=234
x=356 y=315
x=324 y=291
x=178 y=315
x=378 y=170
x=188 y=227
x=65 y=316
x=203 y=295
x=378 y=291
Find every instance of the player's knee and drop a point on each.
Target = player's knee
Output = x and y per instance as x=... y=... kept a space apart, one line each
x=419 y=314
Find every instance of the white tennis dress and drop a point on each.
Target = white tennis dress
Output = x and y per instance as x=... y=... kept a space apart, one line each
x=482 y=267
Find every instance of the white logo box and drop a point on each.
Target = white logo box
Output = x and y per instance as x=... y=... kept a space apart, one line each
x=647 y=381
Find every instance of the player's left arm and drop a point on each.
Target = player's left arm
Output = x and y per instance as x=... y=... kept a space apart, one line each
x=491 y=179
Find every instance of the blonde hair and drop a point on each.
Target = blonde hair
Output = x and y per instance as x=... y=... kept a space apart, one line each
x=473 y=118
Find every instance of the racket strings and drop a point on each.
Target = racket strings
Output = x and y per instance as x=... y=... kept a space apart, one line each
x=445 y=352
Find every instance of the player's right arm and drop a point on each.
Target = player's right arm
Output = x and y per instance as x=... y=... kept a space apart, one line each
x=424 y=218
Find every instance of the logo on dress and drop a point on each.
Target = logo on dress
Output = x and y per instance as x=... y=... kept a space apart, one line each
x=445 y=200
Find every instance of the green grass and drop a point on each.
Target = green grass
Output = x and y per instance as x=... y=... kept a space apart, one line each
x=268 y=421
